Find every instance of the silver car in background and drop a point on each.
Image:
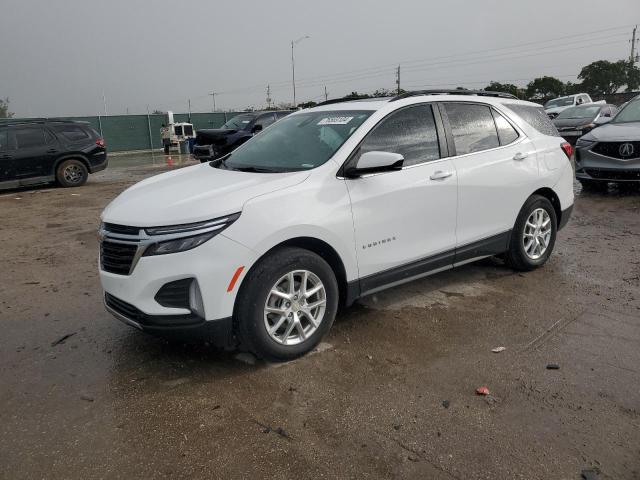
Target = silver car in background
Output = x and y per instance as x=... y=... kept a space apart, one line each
x=611 y=152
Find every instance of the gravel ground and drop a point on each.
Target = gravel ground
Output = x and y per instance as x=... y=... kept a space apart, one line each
x=389 y=394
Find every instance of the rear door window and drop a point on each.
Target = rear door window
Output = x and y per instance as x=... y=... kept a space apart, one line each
x=410 y=132
x=29 y=137
x=506 y=133
x=72 y=133
x=472 y=127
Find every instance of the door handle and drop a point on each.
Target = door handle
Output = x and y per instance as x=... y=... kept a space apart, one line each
x=520 y=156
x=440 y=175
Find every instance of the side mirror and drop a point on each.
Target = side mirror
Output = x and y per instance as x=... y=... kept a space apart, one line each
x=375 y=162
x=256 y=128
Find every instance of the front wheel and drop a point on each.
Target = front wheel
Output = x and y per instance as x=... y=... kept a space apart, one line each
x=534 y=235
x=286 y=304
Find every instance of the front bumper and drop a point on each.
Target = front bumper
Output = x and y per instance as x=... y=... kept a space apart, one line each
x=179 y=327
x=591 y=165
x=132 y=298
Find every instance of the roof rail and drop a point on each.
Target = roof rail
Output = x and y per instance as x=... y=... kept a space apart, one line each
x=17 y=121
x=350 y=98
x=481 y=93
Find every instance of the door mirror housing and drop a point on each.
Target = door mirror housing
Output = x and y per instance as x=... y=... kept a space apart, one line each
x=375 y=162
x=256 y=128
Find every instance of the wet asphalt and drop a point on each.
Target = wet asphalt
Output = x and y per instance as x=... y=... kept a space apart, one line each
x=389 y=394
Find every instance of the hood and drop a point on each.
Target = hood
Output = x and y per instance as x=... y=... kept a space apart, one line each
x=556 y=109
x=615 y=132
x=562 y=123
x=211 y=136
x=193 y=194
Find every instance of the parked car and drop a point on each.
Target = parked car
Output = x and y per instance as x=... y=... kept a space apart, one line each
x=555 y=106
x=215 y=143
x=43 y=151
x=574 y=122
x=611 y=153
x=332 y=203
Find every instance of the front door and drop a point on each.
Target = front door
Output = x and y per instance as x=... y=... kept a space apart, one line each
x=404 y=220
x=6 y=158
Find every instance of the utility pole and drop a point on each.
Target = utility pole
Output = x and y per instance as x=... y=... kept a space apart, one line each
x=268 y=97
x=189 y=110
x=398 y=79
x=213 y=95
x=104 y=100
x=634 y=56
x=326 y=95
x=293 y=66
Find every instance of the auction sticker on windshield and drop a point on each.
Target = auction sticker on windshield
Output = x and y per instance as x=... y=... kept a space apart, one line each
x=335 y=121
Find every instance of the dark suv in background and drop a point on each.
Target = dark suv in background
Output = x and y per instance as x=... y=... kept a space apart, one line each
x=215 y=143
x=42 y=151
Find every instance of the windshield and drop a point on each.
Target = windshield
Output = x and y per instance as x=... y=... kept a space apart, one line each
x=559 y=102
x=239 y=122
x=298 y=142
x=630 y=113
x=579 y=112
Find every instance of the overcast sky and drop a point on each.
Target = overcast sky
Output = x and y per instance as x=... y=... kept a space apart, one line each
x=58 y=57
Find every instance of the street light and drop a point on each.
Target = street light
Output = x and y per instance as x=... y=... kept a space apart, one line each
x=293 y=66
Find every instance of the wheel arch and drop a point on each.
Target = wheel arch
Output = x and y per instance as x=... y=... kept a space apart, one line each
x=552 y=196
x=71 y=156
x=322 y=249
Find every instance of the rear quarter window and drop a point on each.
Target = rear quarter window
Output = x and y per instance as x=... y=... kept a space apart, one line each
x=73 y=133
x=536 y=117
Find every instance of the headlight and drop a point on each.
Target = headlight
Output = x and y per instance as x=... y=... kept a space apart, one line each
x=584 y=143
x=179 y=238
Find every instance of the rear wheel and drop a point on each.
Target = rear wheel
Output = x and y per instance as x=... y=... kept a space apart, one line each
x=72 y=173
x=286 y=305
x=534 y=234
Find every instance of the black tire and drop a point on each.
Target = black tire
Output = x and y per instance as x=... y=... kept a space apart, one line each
x=517 y=257
x=593 y=185
x=249 y=314
x=72 y=173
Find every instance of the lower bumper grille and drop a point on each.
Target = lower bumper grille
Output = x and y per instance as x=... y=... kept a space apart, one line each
x=132 y=313
x=613 y=175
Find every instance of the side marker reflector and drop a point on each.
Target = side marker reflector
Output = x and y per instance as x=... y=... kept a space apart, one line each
x=234 y=279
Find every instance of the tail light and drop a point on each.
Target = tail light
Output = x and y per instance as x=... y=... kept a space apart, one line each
x=567 y=149
x=100 y=142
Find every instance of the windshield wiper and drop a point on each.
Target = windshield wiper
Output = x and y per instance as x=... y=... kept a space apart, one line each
x=255 y=169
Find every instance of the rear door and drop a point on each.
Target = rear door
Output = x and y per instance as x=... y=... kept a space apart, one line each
x=496 y=167
x=34 y=151
x=404 y=220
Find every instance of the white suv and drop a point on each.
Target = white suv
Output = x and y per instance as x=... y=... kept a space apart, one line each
x=257 y=250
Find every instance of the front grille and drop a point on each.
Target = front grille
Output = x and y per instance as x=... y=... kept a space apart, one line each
x=121 y=229
x=174 y=294
x=117 y=257
x=132 y=313
x=612 y=149
x=613 y=174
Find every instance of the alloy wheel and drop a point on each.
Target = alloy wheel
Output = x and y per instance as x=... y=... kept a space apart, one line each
x=295 y=307
x=537 y=234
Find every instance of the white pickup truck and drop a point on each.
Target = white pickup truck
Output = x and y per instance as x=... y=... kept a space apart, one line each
x=555 y=106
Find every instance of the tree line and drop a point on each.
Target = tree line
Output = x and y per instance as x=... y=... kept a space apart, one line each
x=598 y=78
